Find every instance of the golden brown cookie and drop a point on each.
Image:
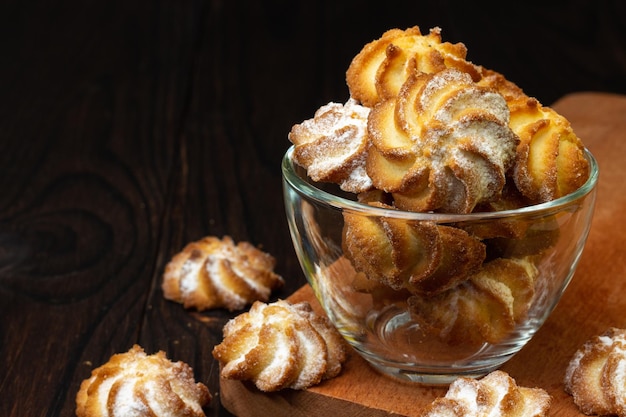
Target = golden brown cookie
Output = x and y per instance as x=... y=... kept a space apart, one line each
x=596 y=374
x=420 y=256
x=216 y=273
x=485 y=308
x=550 y=161
x=280 y=345
x=496 y=394
x=443 y=144
x=379 y=70
x=136 y=384
x=332 y=146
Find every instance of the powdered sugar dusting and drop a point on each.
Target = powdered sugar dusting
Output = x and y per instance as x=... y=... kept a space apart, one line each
x=332 y=146
x=134 y=384
x=618 y=377
x=127 y=403
x=189 y=274
x=277 y=346
x=466 y=135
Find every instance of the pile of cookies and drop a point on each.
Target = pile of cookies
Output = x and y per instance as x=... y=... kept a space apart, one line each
x=424 y=130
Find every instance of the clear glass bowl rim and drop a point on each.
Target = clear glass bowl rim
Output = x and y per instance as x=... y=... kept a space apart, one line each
x=328 y=199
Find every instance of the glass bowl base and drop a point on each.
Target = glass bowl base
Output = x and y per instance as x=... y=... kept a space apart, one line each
x=425 y=360
x=428 y=377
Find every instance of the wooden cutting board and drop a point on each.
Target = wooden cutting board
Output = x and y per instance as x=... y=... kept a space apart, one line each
x=595 y=300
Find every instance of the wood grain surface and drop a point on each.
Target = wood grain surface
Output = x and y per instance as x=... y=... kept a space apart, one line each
x=130 y=128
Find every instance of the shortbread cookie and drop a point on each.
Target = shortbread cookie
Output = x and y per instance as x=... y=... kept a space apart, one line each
x=550 y=161
x=280 y=345
x=137 y=384
x=496 y=394
x=485 y=308
x=443 y=144
x=332 y=146
x=380 y=69
x=216 y=273
x=596 y=374
x=420 y=256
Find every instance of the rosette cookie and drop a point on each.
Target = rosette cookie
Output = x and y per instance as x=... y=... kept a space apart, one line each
x=484 y=308
x=136 y=384
x=332 y=146
x=550 y=157
x=216 y=273
x=596 y=374
x=496 y=394
x=280 y=345
x=550 y=161
x=378 y=71
x=420 y=256
x=443 y=144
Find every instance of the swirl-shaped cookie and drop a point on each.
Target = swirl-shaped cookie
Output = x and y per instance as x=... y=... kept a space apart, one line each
x=332 y=146
x=280 y=345
x=496 y=394
x=443 y=144
x=216 y=273
x=485 y=308
x=596 y=374
x=550 y=161
x=136 y=384
x=420 y=256
x=378 y=71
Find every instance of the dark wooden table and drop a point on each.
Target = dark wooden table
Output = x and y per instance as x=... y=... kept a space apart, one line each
x=129 y=128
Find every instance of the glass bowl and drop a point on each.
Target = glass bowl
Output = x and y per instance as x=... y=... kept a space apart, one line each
x=430 y=297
